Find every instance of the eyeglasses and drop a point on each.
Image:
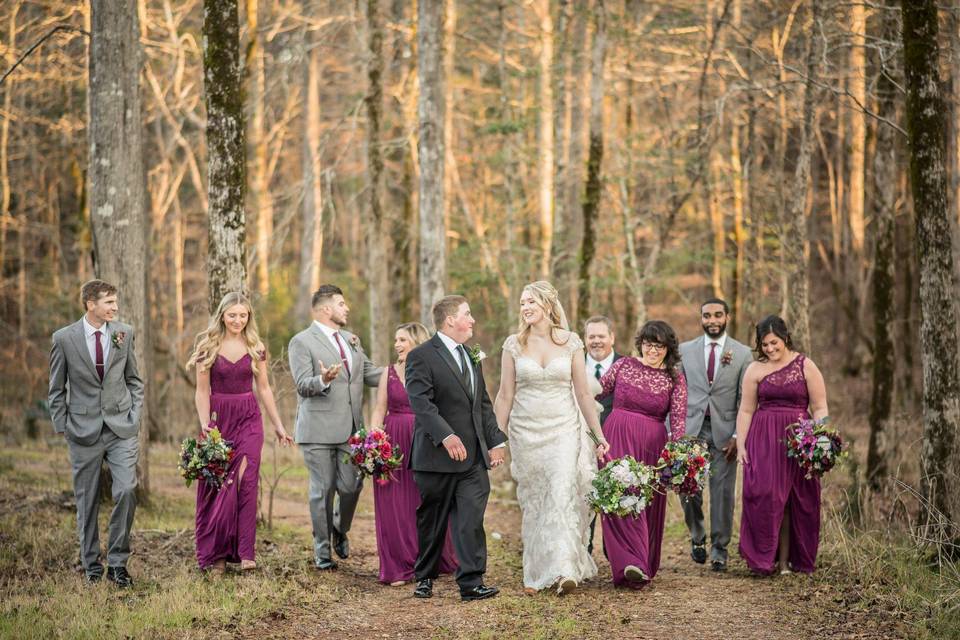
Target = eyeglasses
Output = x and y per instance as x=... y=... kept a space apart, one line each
x=653 y=345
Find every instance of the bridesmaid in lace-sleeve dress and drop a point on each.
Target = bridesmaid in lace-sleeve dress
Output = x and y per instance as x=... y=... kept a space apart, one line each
x=395 y=503
x=645 y=391
x=230 y=359
x=780 y=521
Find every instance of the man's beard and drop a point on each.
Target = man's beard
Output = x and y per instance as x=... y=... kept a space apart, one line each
x=714 y=332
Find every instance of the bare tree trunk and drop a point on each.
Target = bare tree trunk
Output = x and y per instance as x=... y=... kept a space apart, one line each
x=430 y=115
x=5 y=192
x=545 y=137
x=858 y=136
x=380 y=308
x=796 y=246
x=117 y=180
x=449 y=56
x=593 y=190
x=311 y=245
x=712 y=191
x=261 y=201
x=572 y=187
x=884 y=281
x=739 y=285
x=226 y=179
x=926 y=124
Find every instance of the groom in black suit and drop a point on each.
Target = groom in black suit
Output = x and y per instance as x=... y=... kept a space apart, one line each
x=455 y=440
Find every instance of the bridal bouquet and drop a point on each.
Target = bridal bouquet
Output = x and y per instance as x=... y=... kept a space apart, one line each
x=684 y=466
x=374 y=455
x=207 y=458
x=815 y=445
x=624 y=487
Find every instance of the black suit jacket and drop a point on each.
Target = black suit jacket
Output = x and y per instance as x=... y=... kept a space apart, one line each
x=443 y=406
x=607 y=400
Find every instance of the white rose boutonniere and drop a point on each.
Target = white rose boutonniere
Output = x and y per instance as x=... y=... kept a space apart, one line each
x=477 y=354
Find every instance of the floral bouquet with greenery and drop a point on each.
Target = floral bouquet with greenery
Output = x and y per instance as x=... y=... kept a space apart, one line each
x=815 y=445
x=373 y=453
x=207 y=458
x=624 y=487
x=684 y=466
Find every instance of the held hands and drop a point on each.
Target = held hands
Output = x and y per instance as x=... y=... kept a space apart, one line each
x=497 y=456
x=455 y=448
x=328 y=374
x=730 y=450
x=282 y=437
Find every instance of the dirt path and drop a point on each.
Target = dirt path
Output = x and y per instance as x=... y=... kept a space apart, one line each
x=685 y=600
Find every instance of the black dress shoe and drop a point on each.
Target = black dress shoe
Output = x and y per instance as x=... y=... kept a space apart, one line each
x=699 y=553
x=119 y=577
x=94 y=577
x=718 y=565
x=324 y=564
x=424 y=589
x=341 y=545
x=480 y=592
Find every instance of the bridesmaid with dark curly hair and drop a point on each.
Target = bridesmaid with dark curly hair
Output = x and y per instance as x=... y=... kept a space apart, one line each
x=645 y=390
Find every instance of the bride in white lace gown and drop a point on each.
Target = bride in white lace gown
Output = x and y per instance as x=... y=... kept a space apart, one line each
x=546 y=405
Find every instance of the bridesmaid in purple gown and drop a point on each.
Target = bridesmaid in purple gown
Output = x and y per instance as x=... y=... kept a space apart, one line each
x=230 y=359
x=395 y=503
x=780 y=521
x=645 y=391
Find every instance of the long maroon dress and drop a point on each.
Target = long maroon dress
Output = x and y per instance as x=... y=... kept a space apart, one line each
x=773 y=483
x=226 y=523
x=395 y=503
x=643 y=397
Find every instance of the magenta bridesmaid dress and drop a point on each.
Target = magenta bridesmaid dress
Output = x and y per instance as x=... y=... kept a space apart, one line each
x=773 y=483
x=226 y=522
x=643 y=397
x=395 y=503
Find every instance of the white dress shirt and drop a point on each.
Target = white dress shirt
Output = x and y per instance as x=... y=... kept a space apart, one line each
x=88 y=330
x=454 y=347
x=707 y=341
x=333 y=335
x=605 y=364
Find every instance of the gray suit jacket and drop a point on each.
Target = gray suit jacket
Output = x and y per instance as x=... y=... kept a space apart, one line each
x=723 y=396
x=331 y=415
x=80 y=404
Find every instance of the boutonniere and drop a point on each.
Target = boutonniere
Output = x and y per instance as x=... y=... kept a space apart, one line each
x=726 y=358
x=476 y=354
x=118 y=338
x=354 y=343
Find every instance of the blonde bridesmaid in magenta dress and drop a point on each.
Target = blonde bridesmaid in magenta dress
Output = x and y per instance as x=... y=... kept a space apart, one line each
x=395 y=503
x=230 y=360
x=780 y=521
x=646 y=390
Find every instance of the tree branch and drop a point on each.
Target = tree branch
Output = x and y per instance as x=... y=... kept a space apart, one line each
x=35 y=45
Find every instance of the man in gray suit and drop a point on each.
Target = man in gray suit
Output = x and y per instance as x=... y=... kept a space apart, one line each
x=95 y=399
x=714 y=365
x=330 y=369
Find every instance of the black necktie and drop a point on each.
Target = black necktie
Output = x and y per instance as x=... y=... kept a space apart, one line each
x=596 y=373
x=464 y=372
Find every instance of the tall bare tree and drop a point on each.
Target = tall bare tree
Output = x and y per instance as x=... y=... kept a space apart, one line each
x=545 y=136
x=226 y=169
x=927 y=126
x=380 y=308
x=117 y=181
x=311 y=245
x=261 y=200
x=430 y=115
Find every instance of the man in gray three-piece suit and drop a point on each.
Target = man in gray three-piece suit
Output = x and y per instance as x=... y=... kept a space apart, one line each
x=95 y=400
x=714 y=365
x=330 y=370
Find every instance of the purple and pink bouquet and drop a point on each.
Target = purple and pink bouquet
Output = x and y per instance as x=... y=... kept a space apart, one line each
x=207 y=458
x=375 y=456
x=684 y=466
x=624 y=487
x=815 y=445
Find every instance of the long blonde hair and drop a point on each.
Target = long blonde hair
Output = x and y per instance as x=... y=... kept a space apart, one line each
x=208 y=342
x=417 y=333
x=548 y=299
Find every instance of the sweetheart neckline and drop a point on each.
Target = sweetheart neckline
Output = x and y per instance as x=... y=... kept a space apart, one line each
x=544 y=366
x=246 y=355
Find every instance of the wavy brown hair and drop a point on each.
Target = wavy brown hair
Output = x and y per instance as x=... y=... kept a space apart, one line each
x=660 y=332
x=777 y=326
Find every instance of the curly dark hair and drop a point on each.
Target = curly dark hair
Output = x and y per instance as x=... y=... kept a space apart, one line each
x=660 y=332
x=772 y=324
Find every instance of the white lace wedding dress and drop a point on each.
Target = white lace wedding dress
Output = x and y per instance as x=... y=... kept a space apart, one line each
x=552 y=464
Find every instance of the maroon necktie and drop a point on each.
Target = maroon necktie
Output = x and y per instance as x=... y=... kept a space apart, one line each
x=712 y=362
x=99 y=352
x=343 y=354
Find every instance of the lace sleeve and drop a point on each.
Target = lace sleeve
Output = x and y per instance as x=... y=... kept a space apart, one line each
x=678 y=407
x=573 y=343
x=609 y=379
x=511 y=346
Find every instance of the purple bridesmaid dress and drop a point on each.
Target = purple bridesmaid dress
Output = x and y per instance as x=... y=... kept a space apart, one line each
x=227 y=519
x=395 y=503
x=773 y=483
x=642 y=399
